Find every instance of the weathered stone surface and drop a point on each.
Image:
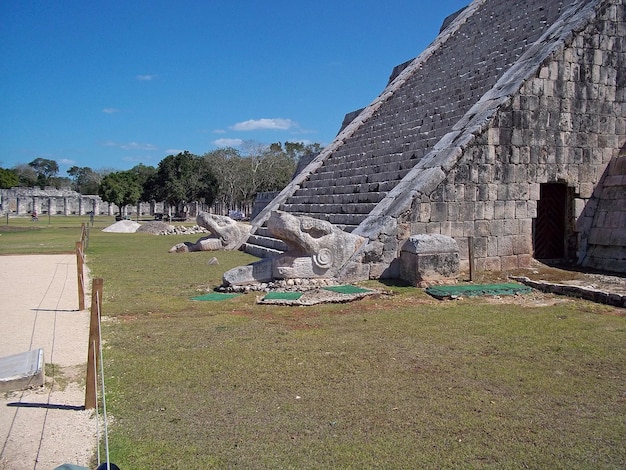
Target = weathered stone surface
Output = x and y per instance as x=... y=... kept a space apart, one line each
x=22 y=371
x=327 y=247
x=254 y=273
x=209 y=243
x=429 y=259
x=225 y=234
x=607 y=232
x=316 y=249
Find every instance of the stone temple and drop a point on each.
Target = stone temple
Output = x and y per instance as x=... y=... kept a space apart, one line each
x=508 y=132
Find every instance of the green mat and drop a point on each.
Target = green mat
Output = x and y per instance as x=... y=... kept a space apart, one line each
x=441 y=292
x=346 y=289
x=282 y=296
x=215 y=296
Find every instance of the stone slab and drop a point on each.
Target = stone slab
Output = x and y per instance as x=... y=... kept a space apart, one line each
x=22 y=371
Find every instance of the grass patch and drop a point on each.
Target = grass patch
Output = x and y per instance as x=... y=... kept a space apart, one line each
x=401 y=381
x=56 y=235
x=60 y=377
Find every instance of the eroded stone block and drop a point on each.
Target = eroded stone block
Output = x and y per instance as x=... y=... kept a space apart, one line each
x=429 y=259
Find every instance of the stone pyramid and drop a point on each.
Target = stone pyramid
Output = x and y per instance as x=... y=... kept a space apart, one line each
x=498 y=135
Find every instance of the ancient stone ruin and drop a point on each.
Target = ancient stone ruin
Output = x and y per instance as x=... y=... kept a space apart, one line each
x=427 y=260
x=53 y=201
x=504 y=133
x=314 y=249
x=225 y=234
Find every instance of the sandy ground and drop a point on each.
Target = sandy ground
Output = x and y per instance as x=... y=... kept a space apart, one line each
x=45 y=427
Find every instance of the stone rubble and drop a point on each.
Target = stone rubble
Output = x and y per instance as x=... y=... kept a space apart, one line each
x=287 y=285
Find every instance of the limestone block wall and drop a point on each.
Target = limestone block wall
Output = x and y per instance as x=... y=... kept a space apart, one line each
x=607 y=234
x=564 y=125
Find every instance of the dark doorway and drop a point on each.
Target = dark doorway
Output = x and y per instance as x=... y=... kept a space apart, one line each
x=550 y=225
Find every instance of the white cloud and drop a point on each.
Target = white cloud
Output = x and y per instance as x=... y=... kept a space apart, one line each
x=130 y=145
x=146 y=77
x=228 y=142
x=110 y=110
x=263 y=124
x=219 y=131
x=144 y=159
x=173 y=151
x=138 y=146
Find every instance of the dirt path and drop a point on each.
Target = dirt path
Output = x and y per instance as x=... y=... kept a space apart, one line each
x=43 y=428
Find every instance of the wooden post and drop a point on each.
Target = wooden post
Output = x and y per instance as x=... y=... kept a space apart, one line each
x=470 y=249
x=80 y=268
x=94 y=344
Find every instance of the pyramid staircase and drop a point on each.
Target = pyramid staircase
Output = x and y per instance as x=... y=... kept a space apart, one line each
x=421 y=107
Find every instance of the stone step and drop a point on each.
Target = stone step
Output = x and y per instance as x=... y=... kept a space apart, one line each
x=259 y=251
x=329 y=202
x=347 y=184
x=267 y=241
x=340 y=220
x=322 y=191
x=22 y=371
x=357 y=161
x=292 y=205
x=355 y=172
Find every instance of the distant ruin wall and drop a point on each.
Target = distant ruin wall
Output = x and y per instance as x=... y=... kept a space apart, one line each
x=53 y=201
x=23 y=201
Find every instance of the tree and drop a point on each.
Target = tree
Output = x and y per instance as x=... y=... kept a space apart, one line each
x=181 y=179
x=8 y=178
x=45 y=170
x=85 y=180
x=59 y=182
x=228 y=167
x=144 y=175
x=26 y=175
x=263 y=168
x=120 y=188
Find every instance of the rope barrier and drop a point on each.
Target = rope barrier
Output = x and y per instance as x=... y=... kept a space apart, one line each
x=104 y=402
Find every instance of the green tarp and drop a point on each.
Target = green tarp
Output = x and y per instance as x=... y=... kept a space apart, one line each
x=215 y=296
x=347 y=289
x=471 y=290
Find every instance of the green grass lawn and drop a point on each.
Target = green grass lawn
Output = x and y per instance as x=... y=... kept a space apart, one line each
x=395 y=381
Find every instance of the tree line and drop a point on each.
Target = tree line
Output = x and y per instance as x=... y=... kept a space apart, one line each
x=225 y=175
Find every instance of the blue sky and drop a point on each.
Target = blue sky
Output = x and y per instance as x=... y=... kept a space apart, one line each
x=111 y=84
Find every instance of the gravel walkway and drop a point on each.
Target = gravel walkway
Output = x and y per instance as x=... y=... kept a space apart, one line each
x=43 y=428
